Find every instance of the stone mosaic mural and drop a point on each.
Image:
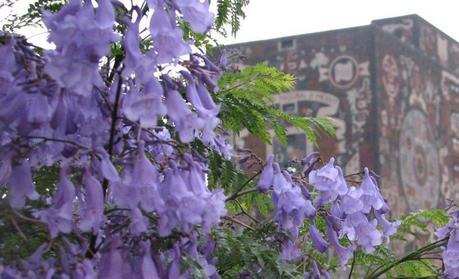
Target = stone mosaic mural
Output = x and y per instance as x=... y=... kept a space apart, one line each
x=392 y=91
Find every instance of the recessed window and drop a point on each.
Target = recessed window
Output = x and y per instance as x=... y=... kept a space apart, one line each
x=287 y=44
x=289 y=108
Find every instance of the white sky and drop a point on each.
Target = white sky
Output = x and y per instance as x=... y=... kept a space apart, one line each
x=278 y=18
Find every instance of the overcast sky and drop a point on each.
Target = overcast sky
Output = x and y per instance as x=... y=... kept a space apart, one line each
x=278 y=18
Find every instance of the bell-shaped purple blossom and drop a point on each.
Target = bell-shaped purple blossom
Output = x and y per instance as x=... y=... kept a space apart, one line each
x=167 y=37
x=317 y=272
x=59 y=216
x=112 y=263
x=358 y=228
x=186 y=122
x=20 y=185
x=196 y=13
x=107 y=168
x=329 y=181
x=309 y=158
x=388 y=227
x=343 y=253
x=92 y=204
x=291 y=207
x=149 y=269
x=139 y=184
x=317 y=240
x=351 y=202
x=188 y=202
x=290 y=251
x=371 y=197
x=266 y=176
x=451 y=256
x=144 y=106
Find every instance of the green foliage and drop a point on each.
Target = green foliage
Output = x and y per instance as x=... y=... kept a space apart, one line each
x=247 y=102
x=33 y=15
x=252 y=253
x=230 y=12
x=419 y=221
x=418 y=264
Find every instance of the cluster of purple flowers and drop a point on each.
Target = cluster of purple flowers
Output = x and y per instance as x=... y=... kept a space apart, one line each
x=354 y=213
x=121 y=175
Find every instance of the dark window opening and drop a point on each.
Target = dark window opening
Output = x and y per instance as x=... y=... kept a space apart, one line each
x=287 y=44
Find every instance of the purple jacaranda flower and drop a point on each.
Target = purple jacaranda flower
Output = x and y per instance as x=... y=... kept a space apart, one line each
x=371 y=197
x=317 y=240
x=196 y=13
x=357 y=227
x=135 y=61
x=74 y=62
x=317 y=272
x=92 y=204
x=107 y=168
x=290 y=251
x=198 y=95
x=452 y=226
x=149 y=269
x=186 y=205
x=167 y=37
x=266 y=176
x=144 y=106
x=343 y=253
x=85 y=270
x=388 y=227
x=329 y=181
x=139 y=223
x=59 y=215
x=39 y=110
x=186 y=122
x=223 y=63
x=139 y=184
x=112 y=263
x=291 y=207
x=179 y=201
x=20 y=185
x=215 y=209
x=310 y=158
x=5 y=166
x=191 y=248
x=222 y=146
x=450 y=256
x=160 y=149
x=351 y=202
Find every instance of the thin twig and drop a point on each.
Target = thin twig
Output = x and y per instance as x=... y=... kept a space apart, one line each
x=58 y=140
x=245 y=213
x=236 y=194
x=352 y=266
x=29 y=219
x=18 y=228
x=234 y=220
x=114 y=118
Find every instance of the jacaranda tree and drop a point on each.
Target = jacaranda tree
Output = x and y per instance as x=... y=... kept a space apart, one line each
x=115 y=160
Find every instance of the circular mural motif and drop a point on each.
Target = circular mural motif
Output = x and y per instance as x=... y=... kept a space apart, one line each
x=419 y=165
x=343 y=71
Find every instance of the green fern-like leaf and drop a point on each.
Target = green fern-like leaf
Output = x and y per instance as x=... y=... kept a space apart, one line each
x=247 y=103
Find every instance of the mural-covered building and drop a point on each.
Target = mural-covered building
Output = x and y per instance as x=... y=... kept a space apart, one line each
x=392 y=88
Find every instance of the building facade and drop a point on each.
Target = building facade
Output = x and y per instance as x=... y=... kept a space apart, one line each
x=392 y=90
